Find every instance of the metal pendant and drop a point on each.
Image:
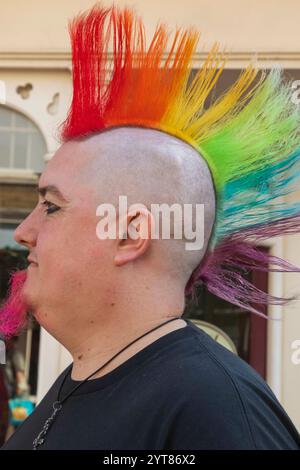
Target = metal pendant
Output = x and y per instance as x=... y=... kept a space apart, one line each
x=40 y=439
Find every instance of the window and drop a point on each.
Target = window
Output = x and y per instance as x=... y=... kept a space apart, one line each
x=22 y=145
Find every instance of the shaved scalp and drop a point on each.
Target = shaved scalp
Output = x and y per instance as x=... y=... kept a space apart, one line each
x=151 y=167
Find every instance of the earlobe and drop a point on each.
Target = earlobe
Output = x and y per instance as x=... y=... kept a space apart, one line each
x=129 y=250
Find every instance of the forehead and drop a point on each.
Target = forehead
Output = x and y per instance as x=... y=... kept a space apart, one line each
x=67 y=159
x=65 y=168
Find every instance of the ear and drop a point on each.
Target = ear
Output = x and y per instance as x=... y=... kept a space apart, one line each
x=136 y=236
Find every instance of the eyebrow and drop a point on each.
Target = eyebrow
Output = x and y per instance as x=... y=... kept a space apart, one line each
x=43 y=190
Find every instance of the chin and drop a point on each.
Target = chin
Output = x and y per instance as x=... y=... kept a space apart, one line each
x=30 y=298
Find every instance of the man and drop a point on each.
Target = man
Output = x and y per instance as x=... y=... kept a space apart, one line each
x=142 y=377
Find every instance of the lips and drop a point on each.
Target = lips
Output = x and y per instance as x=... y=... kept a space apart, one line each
x=31 y=261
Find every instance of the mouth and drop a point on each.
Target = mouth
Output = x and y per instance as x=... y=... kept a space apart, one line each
x=32 y=263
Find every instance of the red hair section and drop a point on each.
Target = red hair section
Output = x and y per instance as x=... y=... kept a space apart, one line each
x=133 y=86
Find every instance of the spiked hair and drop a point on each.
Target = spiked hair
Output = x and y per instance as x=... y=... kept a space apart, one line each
x=249 y=136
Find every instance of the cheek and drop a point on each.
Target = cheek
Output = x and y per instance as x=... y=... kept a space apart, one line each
x=73 y=254
x=93 y=251
x=56 y=245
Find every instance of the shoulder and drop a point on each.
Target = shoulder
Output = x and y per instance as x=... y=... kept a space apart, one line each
x=221 y=401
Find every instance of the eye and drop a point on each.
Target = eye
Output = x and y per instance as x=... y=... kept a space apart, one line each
x=50 y=207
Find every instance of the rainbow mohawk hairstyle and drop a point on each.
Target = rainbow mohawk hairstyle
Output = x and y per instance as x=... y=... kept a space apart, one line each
x=249 y=136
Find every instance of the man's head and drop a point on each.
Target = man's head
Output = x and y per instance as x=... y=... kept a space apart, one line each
x=77 y=280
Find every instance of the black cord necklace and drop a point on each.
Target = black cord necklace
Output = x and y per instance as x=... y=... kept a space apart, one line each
x=57 y=405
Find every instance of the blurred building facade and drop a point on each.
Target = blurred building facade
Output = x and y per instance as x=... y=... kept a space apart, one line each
x=35 y=92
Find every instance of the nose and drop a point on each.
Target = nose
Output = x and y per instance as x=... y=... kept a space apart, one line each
x=26 y=233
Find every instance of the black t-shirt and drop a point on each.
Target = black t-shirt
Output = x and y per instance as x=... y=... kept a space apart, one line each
x=183 y=391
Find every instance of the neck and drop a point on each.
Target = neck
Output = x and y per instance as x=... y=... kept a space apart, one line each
x=125 y=316
x=112 y=338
